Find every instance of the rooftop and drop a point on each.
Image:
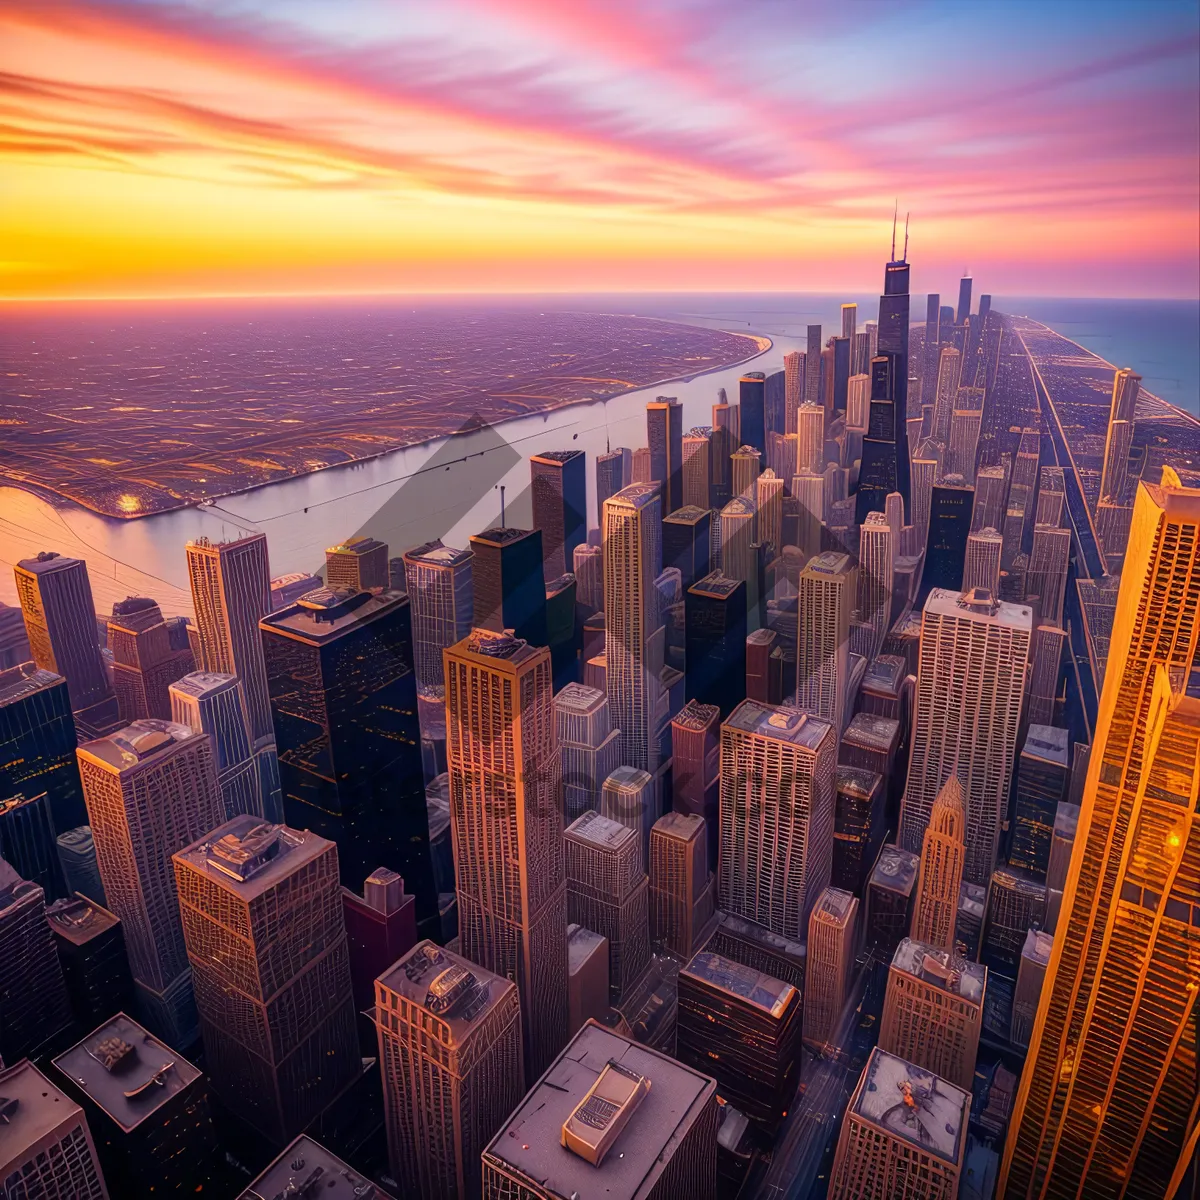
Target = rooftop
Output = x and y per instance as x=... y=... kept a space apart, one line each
x=1038 y=946
x=530 y=1140
x=324 y=614
x=636 y=495
x=305 y=1170
x=752 y=931
x=766 y=993
x=872 y=731
x=1066 y=819
x=719 y=586
x=24 y=680
x=761 y=637
x=126 y=1071
x=46 y=562
x=356 y=545
x=579 y=698
x=679 y=825
x=896 y=869
x=942 y=969
x=499 y=647
x=30 y=1108
x=79 y=919
x=828 y=562
x=138 y=742
x=858 y=781
x=695 y=715
x=699 y=431
x=689 y=514
x=600 y=831
x=581 y=945
x=629 y=779
x=885 y=673
x=739 y=506
x=502 y=535
x=834 y=904
x=247 y=855
x=1049 y=743
x=912 y=1104
x=556 y=457
x=979 y=605
x=780 y=723
x=437 y=555
x=203 y=683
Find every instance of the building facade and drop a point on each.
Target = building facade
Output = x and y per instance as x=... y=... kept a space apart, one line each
x=942 y=855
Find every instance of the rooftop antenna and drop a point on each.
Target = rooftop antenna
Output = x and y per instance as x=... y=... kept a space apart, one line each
x=895 y=214
x=905 y=258
x=502 y=525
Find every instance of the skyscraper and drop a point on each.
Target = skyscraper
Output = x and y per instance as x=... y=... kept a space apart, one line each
x=28 y=843
x=885 y=456
x=793 y=381
x=873 y=597
x=1119 y=440
x=633 y=622
x=1108 y=1088
x=828 y=585
x=262 y=918
x=614 y=471
x=681 y=893
x=849 y=319
x=60 y=621
x=664 y=432
x=716 y=640
x=697 y=467
x=360 y=563
x=776 y=761
x=589 y=746
x=966 y=421
x=752 y=400
x=1031 y=975
x=904 y=1135
x=942 y=855
x=974 y=659
x=342 y=687
x=231 y=593
x=441 y=600
x=509 y=583
x=306 y=1164
x=1047 y=576
x=769 y=503
x=685 y=542
x=949 y=374
x=1043 y=777
x=450 y=1054
x=889 y=899
x=144 y=664
x=95 y=967
x=559 y=484
x=832 y=932
x=608 y=892
x=982 y=566
x=931 y=349
x=812 y=365
x=213 y=703
x=151 y=789
x=628 y=796
x=504 y=808
x=964 y=300
x=991 y=498
x=809 y=490
x=950 y=504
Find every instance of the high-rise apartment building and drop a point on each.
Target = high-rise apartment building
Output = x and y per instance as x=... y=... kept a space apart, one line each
x=213 y=703
x=450 y=1055
x=504 y=768
x=777 y=802
x=681 y=891
x=151 y=790
x=828 y=586
x=933 y=1010
x=1047 y=574
x=559 y=486
x=982 y=566
x=1122 y=414
x=60 y=622
x=608 y=892
x=610 y=1118
x=143 y=663
x=441 y=599
x=942 y=854
x=262 y=918
x=664 y=433
x=589 y=746
x=970 y=687
x=904 y=1135
x=342 y=687
x=614 y=471
x=832 y=932
x=360 y=563
x=633 y=622
x=46 y=1147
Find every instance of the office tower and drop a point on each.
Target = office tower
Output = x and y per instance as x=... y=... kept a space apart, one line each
x=933 y=1010
x=716 y=640
x=1119 y=440
x=858 y=409
x=835 y=402
x=744 y=1027
x=942 y=855
x=946 y=324
x=769 y=503
x=588 y=568
x=948 y=378
x=685 y=542
x=1016 y=903
x=46 y=1147
x=262 y=918
x=849 y=319
x=608 y=891
x=305 y=1166
x=144 y=665
x=1047 y=575
x=697 y=467
x=629 y=796
x=725 y=430
x=890 y=899
x=559 y=486
x=60 y=622
x=509 y=584
x=512 y=905
x=613 y=1118
x=587 y=976
x=752 y=397
x=664 y=432
x=793 y=378
x=946 y=542
x=1031 y=975
x=360 y=563
x=589 y=746
x=1043 y=776
x=812 y=365
x=91 y=951
x=755 y=946
x=810 y=430
x=381 y=926
x=832 y=932
x=809 y=491
x=642 y=470
x=213 y=703
x=341 y=683
x=614 y=471
x=14 y=641
x=696 y=757
x=1051 y=496
x=77 y=853
x=966 y=421
x=744 y=467
x=857 y=826
x=681 y=893
x=926 y=470
x=777 y=761
x=450 y=1056
x=561 y=629
x=764 y=668
x=903 y=1137
x=828 y=585
x=28 y=844
x=148 y=1110
x=151 y=789
x=441 y=599
x=873 y=596
x=964 y=300
x=929 y=360
x=982 y=566
x=33 y=997
x=991 y=492
x=970 y=687
x=1062 y=843
x=635 y=634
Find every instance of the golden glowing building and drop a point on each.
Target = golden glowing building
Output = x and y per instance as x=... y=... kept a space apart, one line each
x=1107 y=1105
x=942 y=857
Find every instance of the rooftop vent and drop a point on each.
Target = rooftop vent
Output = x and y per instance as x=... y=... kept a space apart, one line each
x=243 y=857
x=596 y=1122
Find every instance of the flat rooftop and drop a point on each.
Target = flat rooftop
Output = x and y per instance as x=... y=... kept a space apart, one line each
x=248 y=856
x=142 y=1075
x=24 y=680
x=435 y=554
x=47 y=562
x=555 y=458
x=752 y=931
x=979 y=605
x=357 y=545
x=497 y=647
x=79 y=919
x=873 y=732
x=896 y=869
x=636 y=495
x=716 y=585
x=530 y=1140
x=934 y=1121
x=502 y=535
x=834 y=904
x=1038 y=947
x=306 y=1169
x=600 y=831
x=780 y=723
x=629 y=779
x=885 y=674
x=33 y=1107
x=769 y=995
x=942 y=969
x=326 y=613
x=579 y=698
x=689 y=514
x=858 y=781
x=1049 y=743
x=203 y=683
x=696 y=715
x=828 y=562
x=138 y=742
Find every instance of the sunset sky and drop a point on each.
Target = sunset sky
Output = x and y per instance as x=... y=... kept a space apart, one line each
x=211 y=147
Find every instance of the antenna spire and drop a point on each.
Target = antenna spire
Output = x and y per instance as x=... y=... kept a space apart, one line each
x=895 y=214
x=905 y=258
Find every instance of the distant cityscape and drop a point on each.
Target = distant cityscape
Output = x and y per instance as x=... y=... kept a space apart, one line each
x=803 y=806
